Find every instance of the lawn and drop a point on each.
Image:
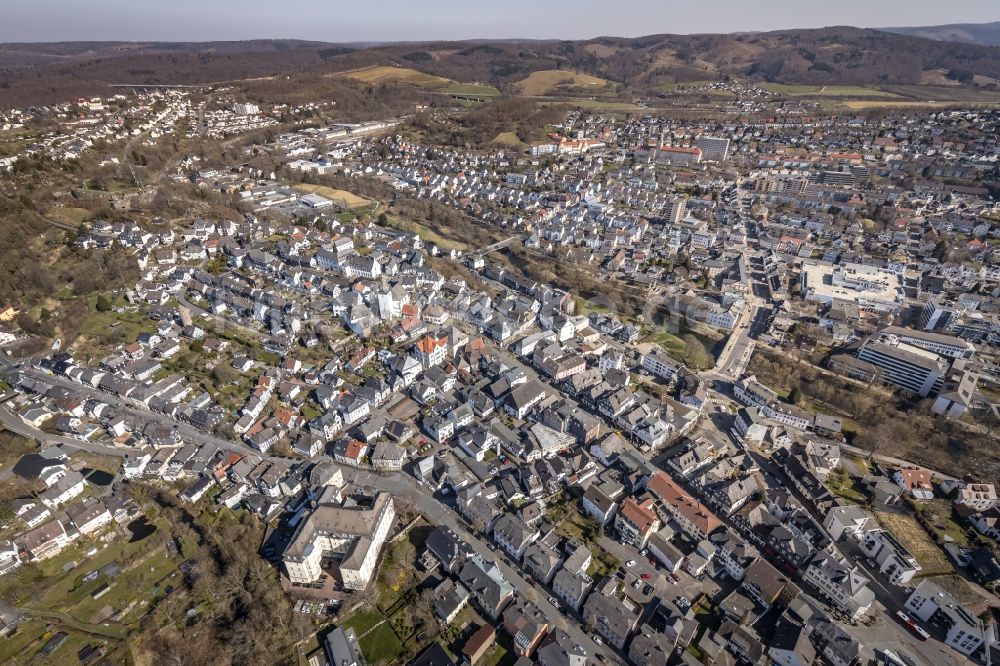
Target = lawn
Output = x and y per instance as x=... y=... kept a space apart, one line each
x=670 y=342
x=684 y=85
x=381 y=646
x=113 y=327
x=71 y=215
x=844 y=487
x=426 y=234
x=940 y=520
x=379 y=643
x=364 y=620
x=546 y=81
x=931 y=558
x=598 y=104
x=826 y=91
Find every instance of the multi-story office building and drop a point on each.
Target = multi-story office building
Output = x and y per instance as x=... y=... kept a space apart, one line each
x=906 y=366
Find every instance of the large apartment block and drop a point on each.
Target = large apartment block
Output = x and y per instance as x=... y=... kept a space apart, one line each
x=352 y=533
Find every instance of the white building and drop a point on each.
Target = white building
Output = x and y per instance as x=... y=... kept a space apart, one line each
x=929 y=603
x=352 y=533
x=841 y=584
x=850 y=520
x=891 y=557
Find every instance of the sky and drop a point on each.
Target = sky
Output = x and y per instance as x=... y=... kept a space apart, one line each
x=418 y=20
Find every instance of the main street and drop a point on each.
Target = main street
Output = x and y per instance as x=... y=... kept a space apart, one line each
x=886 y=632
x=401 y=485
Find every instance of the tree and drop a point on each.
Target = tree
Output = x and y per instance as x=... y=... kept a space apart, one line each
x=103 y=303
x=794 y=396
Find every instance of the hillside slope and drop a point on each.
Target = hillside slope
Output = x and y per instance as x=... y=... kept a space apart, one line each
x=33 y=74
x=984 y=34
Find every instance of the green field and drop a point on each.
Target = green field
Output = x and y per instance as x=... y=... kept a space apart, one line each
x=597 y=104
x=378 y=642
x=509 y=139
x=796 y=90
x=456 y=88
x=670 y=342
x=548 y=81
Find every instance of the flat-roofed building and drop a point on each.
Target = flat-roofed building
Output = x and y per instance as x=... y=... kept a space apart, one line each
x=906 y=366
x=929 y=603
x=949 y=346
x=890 y=556
x=872 y=289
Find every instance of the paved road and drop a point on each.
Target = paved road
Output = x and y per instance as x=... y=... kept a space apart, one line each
x=14 y=423
x=437 y=513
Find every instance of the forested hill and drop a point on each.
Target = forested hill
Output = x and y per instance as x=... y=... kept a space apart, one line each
x=48 y=73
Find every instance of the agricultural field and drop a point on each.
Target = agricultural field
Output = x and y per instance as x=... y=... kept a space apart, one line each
x=795 y=90
x=550 y=81
x=390 y=74
x=929 y=555
x=456 y=88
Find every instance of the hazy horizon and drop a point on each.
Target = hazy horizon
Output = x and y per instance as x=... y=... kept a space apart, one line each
x=399 y=21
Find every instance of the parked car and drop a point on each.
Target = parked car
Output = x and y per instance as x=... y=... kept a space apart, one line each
x=597 y=639
x=646 y=576
x=630 y=563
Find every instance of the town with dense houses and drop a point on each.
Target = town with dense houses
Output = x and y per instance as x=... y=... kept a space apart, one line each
x=653 y=390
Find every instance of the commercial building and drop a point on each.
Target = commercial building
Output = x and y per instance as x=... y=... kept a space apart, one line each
x=871 y=289
x=905 y=366
x=944 y=345
x=841 y=584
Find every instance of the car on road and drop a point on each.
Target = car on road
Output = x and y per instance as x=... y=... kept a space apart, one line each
x=630 y=563
x=554 y=601
x=675 y=578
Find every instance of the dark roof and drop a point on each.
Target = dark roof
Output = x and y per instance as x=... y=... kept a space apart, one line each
x=30 y=466
x=434 y=655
